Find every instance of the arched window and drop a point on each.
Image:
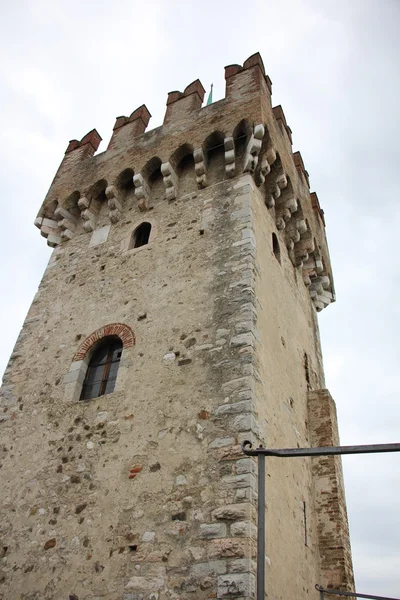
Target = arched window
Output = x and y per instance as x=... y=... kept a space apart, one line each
x=141 y=235
x=103 y=367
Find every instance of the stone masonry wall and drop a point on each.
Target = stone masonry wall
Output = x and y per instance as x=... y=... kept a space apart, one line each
x=74 y=520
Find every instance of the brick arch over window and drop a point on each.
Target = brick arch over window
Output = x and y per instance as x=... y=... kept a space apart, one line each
x=124 y=332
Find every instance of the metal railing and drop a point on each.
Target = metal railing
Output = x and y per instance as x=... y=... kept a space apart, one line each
x=322 y=593
x=261 y=453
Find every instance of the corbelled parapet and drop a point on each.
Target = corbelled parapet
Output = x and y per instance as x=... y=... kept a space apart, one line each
x=254 y=138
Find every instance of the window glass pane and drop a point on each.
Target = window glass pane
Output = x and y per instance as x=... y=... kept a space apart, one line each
x=100 y=356
x=113 y=370
x=95 y=390
x=94 y=374
x=110 y=386
x=116 y=355
x=90 y=391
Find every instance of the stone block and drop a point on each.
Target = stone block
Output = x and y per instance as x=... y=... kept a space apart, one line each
x=99 y=236
x=246 y=465
x=246 y=422
x=230 y=453
x=232 y=409
x=244 y=326
x=243 y=339
x=242 y=565
x=229 y=548
x=235 y=584
x=212 y=567
x=221 y=442
x=221 y=333
x=232 y=512
x=145 y=584
x=239 y=481
x=212 y=530
x=244 y=529
x=74 y=376
x=237 y=384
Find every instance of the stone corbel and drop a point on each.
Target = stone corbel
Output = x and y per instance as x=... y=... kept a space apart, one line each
x=200 y=167
x=281 y=181
x=142 y=192
x=312 y=268
x=67 y=228
x=285 y=211
x=295 y=228
x=319 y=292
x=49 y=229
x=87 y=214
x=320 y=284
x=170 y=179
x=273 y=195
x=266 y=162
x=66 y=222
x=114 y=201
x=303 y=248
x=230 y=167
x=253 y=149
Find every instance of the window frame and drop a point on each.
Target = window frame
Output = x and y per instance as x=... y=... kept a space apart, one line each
x=127 y=242
x=113 y=345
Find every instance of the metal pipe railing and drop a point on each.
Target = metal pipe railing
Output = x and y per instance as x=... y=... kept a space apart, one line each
x=323 y=591
x=261 y=453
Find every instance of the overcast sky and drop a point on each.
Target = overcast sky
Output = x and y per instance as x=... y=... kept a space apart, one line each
x=69 y=66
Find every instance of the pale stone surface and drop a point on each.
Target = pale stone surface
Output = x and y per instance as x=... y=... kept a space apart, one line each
x=212 y=530
x=213 y=567
x=99 y=236
x=181 y=480
x=145 y=584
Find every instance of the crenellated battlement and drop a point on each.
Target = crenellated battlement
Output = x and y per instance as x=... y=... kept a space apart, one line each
x=247 y=133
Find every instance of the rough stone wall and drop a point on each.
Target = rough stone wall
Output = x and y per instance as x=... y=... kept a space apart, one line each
x=145 y=493
x=330 y=501
x=183 y=522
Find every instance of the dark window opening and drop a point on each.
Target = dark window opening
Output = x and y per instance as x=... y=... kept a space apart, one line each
x=141 y=235
x=186 y=163
x=305 y=523
x=125 y=181
x=102 y=370
x=241 y=134
x=307 y=369
x=215 y=157
x=275 y=248
x=155 y=176
x=102 y=196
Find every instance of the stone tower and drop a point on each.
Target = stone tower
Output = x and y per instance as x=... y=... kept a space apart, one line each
x=176 y=319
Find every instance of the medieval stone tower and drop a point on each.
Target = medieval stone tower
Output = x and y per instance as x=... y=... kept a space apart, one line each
x=177 y=318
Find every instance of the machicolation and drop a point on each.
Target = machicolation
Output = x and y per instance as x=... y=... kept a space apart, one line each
x=90 y=191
